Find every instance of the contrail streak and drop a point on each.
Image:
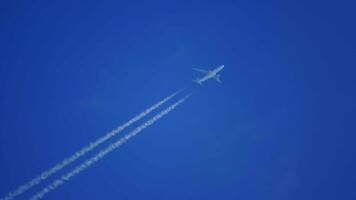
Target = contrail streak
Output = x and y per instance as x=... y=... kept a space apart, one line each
x=45 y=174
x=60 y=181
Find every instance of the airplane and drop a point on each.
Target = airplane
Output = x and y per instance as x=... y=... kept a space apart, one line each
x=209 y=74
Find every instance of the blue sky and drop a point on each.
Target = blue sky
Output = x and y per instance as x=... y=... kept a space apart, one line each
x=280 y=126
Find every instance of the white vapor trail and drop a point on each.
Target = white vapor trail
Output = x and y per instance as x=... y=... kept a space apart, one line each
x=45 y=174
x=60 y=181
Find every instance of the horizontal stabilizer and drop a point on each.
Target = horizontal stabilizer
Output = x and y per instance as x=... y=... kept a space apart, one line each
x=197 y=81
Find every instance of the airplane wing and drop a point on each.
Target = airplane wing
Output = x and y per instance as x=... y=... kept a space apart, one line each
x=200 y=70
x=217 y=78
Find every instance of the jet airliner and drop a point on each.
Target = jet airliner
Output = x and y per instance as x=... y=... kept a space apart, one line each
x=209 y=74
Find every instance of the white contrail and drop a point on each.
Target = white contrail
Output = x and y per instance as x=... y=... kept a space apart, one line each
x=60 y=181
x=44 y=175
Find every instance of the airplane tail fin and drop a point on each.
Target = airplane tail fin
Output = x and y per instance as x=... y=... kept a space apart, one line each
x=217 y=78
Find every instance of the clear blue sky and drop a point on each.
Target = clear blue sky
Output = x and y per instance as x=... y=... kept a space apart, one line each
x=280 y=126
